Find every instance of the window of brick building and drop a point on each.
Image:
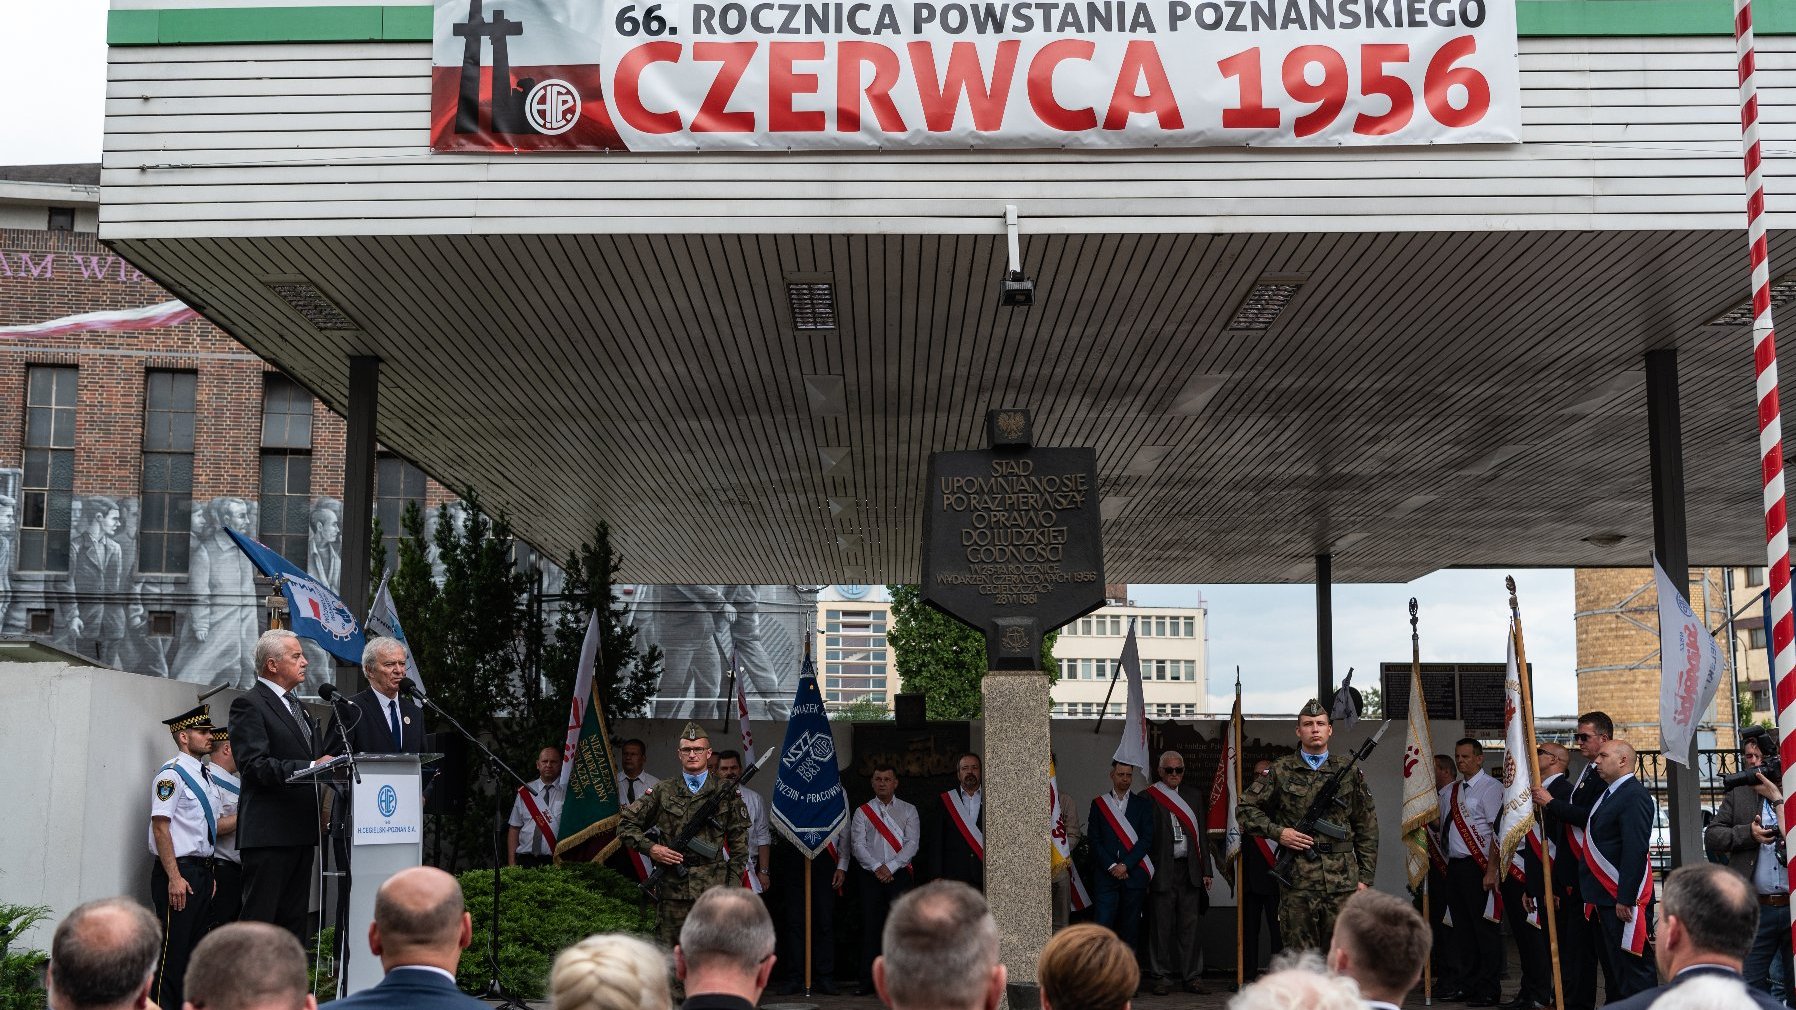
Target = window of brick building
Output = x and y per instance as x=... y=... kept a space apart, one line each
x=47 y=491
x=165 y=530
x=286 y=467
x=61 y=219
x=396 y=484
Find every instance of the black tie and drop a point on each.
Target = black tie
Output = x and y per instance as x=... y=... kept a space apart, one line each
x=393 y=723
x=298 y=716
x=632 y=798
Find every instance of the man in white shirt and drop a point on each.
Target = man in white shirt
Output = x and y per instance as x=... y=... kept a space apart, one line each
x=1381 y=942
x=760 y=838
x=1469 y=811
x=525 y=842
x=632 y=781
x=184 y=827
x=883 y=841
x=227 y=862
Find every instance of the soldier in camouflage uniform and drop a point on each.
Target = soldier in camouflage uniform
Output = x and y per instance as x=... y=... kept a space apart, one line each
x=668 y=806
x=1277 y=800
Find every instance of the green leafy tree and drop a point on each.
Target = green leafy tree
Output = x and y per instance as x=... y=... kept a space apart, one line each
x=943 y=659
x=21 y=969
x=861 y=710
x=1371 y=703
x=485 y=650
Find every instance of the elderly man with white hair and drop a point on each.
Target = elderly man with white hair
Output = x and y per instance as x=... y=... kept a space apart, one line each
x=382 y=722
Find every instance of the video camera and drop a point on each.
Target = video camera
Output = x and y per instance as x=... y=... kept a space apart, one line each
x=1773 y=769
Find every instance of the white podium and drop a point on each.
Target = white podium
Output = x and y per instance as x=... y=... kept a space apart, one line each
x=385 y=825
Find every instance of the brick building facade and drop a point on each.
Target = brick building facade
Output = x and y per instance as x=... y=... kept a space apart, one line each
x=1617 y=621
x=125 y=448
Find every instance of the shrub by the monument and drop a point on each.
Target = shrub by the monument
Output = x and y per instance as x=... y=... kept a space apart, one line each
x=21 y=971
x=542 y=911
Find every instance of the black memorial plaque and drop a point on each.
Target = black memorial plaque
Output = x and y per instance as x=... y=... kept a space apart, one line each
x=1470 y=692
x=1012 y=539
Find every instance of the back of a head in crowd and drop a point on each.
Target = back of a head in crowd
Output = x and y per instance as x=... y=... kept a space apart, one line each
x=418 y=909
x=1386 y=941
x=1299 y=982
x=940 y=951
x=1717 y=906
x=102 y=955
x=1087 y=967
x=609 y=971
x=248 y=966
x=728 y=929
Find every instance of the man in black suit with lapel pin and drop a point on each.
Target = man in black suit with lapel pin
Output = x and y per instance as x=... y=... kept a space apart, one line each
x=384 y=723
x=1706 y=924
x=277 y=827
x=1617 y=879
x=1568 y=815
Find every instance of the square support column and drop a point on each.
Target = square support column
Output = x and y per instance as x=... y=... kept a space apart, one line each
x=1666 y=448
x=1017 y=864
x=1325 y=628
x=360 y=414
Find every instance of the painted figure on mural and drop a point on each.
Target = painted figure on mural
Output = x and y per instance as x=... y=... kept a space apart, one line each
x=324 y=548
x=700 y=628
x=221 y=626
x=8 y=523
x=96 y=578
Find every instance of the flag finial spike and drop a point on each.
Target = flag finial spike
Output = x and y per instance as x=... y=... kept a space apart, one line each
x=1509 y=583
x=1413 y=608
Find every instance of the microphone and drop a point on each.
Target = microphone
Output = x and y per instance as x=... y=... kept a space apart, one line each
x=328 y=692
x=409 y=688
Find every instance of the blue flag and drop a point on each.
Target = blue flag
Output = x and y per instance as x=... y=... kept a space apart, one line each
x=809 y=803
x=313 y=611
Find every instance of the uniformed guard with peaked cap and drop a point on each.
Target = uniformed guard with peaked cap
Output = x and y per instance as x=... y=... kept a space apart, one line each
x=184 y=828
x=719 y=852
x=227 y=861
x=1279 y=799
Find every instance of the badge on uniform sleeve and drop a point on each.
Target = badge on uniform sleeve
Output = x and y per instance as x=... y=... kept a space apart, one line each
x=165 y=788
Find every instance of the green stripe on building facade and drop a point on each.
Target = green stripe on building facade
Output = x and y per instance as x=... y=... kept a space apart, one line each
x=412 y=22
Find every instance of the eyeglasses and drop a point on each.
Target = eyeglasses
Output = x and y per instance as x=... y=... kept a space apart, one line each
x=1180 y=770
x=1580 y=737
x=693 y=750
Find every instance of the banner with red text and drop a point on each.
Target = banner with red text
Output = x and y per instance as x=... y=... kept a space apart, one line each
x=758 y=75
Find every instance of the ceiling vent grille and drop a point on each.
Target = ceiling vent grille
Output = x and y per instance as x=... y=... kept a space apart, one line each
x=312 y=305
x=813 y=304
x=1264 y=302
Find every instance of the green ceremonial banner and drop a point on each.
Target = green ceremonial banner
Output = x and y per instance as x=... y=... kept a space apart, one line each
x=589 y=815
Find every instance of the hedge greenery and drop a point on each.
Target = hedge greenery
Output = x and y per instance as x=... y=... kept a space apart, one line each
x=542 y=911
x=21 y=971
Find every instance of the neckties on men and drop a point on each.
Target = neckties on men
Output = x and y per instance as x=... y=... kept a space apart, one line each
x=393 y=723
x=632 y=798
x=299 y=716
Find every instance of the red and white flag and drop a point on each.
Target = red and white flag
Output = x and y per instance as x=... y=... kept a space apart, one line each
x=1225 y=787
x=1690 y=669
x=148 y=317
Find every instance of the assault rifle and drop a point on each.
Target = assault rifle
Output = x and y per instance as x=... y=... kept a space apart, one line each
x=1315 y=820
x=687 y=842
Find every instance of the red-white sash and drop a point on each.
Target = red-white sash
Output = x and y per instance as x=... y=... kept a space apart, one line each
x=1437 y=852
x=886 y=831
x=1268 y=849
x=1080 y=899
x=1467 y=835
x=1574 y=836
x=641 y=864
x=969 y=830
x=1124 y=830
x=1633 y=933
x=1177 y=807
x=536 y=814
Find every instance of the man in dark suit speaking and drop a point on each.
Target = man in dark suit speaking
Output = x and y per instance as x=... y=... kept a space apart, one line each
x=382 y=722
x=1706 y=924
x=277 y=824
x=419 y=930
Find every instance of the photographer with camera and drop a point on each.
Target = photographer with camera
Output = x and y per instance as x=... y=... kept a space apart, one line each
x=1746 y=829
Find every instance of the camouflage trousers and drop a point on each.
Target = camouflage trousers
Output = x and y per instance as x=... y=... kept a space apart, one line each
x=1306 y=919
x=670 y=915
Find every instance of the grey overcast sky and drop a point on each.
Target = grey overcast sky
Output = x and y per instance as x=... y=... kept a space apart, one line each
x=53 y=70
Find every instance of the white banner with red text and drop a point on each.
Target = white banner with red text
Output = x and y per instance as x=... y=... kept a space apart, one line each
x=690 y=75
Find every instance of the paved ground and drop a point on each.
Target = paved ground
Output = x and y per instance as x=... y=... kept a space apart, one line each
x=1215 y=997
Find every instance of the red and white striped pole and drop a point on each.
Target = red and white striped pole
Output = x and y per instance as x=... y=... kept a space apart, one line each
x=1771 y=447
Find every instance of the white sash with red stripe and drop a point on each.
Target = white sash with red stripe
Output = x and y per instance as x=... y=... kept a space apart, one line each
x=537 y=815
x=1080 y=899
x=1177 y=807
x=1633 y=933
x=1119 y=823
x=1268 y=849
x=1479 y=847
x=886 y=831
x=968 y=827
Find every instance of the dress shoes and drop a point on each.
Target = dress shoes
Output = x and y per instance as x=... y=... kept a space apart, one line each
x=1451 y=996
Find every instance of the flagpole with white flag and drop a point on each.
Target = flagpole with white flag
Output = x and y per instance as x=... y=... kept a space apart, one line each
x=1690 y=669
x=1524 y=716
x=1132 y=748
x=383 y=619
x=1421 y=801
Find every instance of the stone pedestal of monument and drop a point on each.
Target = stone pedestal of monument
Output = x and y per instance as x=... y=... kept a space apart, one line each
x=1016 y=823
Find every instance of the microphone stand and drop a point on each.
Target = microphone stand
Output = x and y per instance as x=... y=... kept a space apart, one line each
x=495 y=990
x=344 y=817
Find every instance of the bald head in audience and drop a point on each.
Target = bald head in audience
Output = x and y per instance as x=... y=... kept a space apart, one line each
x=248 y=966
x=419 y=919
x=102 y=955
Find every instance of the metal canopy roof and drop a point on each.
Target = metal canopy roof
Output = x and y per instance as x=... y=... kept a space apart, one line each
x=1425 y=400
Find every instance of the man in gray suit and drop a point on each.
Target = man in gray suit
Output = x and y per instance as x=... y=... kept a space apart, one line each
x=1745 y=828
x=1178 y=894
